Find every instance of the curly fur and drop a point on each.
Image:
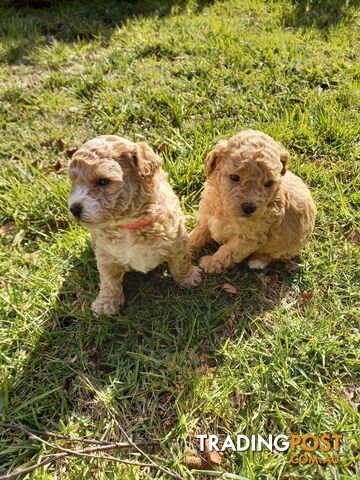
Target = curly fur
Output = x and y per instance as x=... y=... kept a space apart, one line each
x=284 y=213
x=137 y=187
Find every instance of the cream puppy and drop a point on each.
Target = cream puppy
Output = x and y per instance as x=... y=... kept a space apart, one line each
x=251 y=205
x=122 y=196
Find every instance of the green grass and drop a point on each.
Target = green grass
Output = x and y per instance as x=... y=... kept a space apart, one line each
x=280 y=356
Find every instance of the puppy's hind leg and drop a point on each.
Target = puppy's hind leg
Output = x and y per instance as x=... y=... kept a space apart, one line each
x=183 y=272
x=259 y=261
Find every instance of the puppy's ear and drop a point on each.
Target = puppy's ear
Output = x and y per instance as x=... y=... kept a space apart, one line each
x=145 y=160
x=214 y=157
x=210 y=162
x=284 y=159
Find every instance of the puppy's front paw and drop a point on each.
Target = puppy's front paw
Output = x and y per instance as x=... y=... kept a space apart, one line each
x=104 y=305
x=192 y=279
x=210 y=265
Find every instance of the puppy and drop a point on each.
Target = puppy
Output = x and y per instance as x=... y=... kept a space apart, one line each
x=251 y=205
x=122 y=196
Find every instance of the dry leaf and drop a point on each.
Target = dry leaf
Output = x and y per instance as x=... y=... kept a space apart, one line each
x=179 y=381
x=213 y=456
x=204 y=367
x=354 y=237
x=164 y=148
x=70 y=151
x=57 y=166
x=229 y=288
x=308 y=295
x=350 y=394
x=60 y=143
x=203 y=357
x=197 y=463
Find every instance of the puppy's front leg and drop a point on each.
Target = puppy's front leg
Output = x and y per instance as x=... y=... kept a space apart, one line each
x=225 y=257
x=199 y=237
x=111 y=296
x=183 y=272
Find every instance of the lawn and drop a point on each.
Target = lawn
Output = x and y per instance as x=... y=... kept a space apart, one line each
x=245 y=353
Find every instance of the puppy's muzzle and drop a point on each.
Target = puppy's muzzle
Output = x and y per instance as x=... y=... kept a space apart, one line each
x=248 y=208
x=76 y=210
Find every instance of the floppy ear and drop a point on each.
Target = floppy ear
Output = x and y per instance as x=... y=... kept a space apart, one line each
x=284 y=159
x=145 y=160
x=210 y=162
x=112 y=171
x=214 y=156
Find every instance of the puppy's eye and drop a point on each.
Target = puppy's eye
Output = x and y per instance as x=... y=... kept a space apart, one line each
x=270 y=183
x=235 y=178
x=103 y=181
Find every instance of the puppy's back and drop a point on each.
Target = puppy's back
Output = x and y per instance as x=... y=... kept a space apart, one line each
x=299 y=206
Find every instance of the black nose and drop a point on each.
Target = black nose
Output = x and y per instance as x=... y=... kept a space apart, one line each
x=76 y=210
x=248 y=208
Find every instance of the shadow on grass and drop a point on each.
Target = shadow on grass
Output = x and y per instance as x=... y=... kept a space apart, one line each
x=146 y=361
x=26 y=25
x=320 y=14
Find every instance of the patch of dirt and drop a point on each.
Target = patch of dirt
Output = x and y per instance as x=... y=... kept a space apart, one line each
x=8 y=229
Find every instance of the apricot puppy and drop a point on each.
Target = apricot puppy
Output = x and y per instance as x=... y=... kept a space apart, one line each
x=122 y=196
x=251 y=205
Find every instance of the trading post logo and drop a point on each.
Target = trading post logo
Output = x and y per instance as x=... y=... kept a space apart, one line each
x=308 y=449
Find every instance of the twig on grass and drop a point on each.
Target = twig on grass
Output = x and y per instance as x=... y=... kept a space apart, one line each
x=65 y=452
x=159 y=467
x=162 y=469
x=21 y=427
x=53 y=458
x=84 y=452
x=31 y=468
